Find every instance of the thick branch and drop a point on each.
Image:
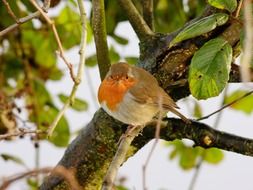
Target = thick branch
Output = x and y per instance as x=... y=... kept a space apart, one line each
x=139 y=25
x=94 y=148
x=202 y=135
x=99 y=30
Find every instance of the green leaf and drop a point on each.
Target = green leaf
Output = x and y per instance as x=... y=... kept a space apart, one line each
x=61 y=134
x=188 y=158
x=244 y=104
x=42 y=45
x=197 y=110
x=120 y=40
x=187 y=155
x=209 y=69
x=78 y=105
x=13 y=67
x=120 y=187
x=114 y=56
x=213 y=155
x=8 y=157
x=41 y=93
x=200 y=27
x=69 y=27
x=132 y=60
x=229 y=5
x=32 y=183
x=91 y=61
x=55 y=74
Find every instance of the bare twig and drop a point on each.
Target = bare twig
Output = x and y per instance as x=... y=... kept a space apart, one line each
x=138 y=23
x=61 y=51
x=225 y=106
x=11 y=13
x=248 y=42
x=157 y=137
x=59 y=170
x=148 y=16
x=46 y=6
x=120 y=157
x=237 y=13
x=20 y=132
x=99 y=29
x=78 y=78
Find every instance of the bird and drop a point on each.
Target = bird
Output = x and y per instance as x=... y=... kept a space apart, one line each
x=133 y=96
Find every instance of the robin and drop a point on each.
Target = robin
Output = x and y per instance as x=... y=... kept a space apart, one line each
x=133 y=96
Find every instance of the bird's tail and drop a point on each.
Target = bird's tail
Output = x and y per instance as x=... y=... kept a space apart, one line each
x=186 y=120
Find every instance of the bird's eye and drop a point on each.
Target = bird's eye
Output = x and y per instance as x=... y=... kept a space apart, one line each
x=126 y=77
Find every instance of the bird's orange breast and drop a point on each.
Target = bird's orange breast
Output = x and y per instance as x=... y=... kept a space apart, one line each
x=112 y=92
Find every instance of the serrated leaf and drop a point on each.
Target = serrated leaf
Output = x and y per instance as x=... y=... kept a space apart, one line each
x=78 y=105
x=229 y=5
x=8 y=157
x=209 y=69
x=245 y=104
x=200 y=27
x=213 y=155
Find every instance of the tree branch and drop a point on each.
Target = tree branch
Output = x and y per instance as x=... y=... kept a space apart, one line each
x=79 y=75
x=57 y=38
x=99 y=30
x=120 y=157
x=147 y=6
x=139 y=25
x=20 y=21
x=246 y=58
x=94 y=148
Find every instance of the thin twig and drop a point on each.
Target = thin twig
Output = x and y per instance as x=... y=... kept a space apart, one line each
x=138 y=23
x=45 y=7
x=237 y=13
x=120 y=157
x=78 y=78
x=248 y=42
x=20 y=132
x=200 y=162
x=100 y=36
x=59 y=170
x=225 y=106
x=157 y=137
x=11 y=13
x=61 y=51
x=148 y=15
